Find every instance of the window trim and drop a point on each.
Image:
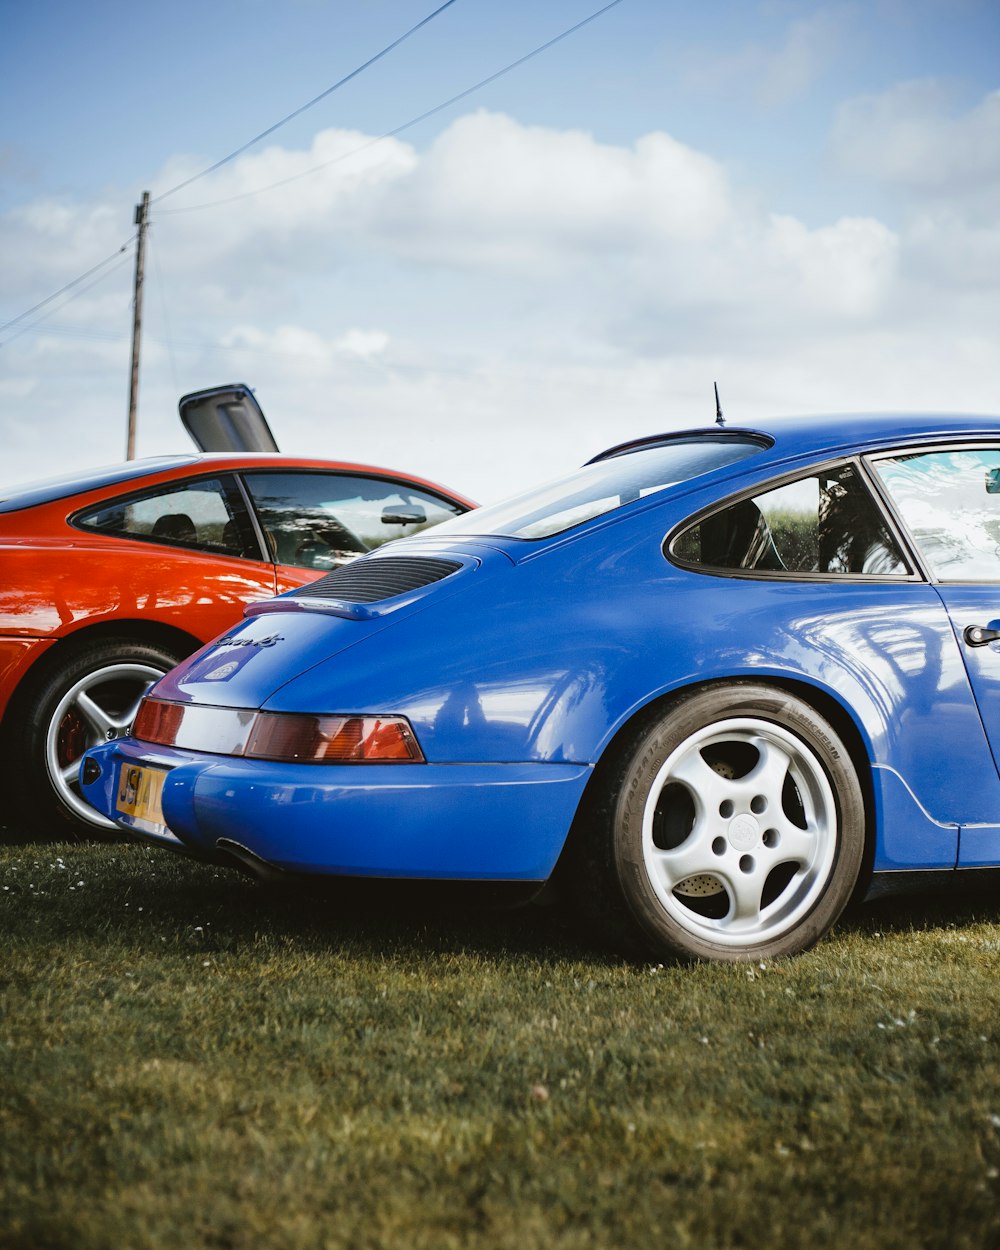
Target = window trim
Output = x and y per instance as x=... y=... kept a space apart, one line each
x=392 y=479
x=226 y=477
x=915 y=573
x=612 y=516
x=872 y=458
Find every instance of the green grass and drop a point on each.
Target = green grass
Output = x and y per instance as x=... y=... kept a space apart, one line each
x=188 y=1061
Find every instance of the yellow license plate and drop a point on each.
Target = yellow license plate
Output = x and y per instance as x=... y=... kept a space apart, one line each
x=140 y=793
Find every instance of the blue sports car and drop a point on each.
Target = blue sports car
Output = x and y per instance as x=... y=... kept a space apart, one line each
x=713 y=681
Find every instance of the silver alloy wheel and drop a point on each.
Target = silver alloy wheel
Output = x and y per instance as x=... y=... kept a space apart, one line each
x=98 y=707
x=739 y=854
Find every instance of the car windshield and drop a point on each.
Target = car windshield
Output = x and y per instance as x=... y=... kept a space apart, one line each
x=603 y=486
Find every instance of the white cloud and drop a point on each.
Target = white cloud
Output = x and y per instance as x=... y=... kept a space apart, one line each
x=495 y=308
x=809 y=47
x=846 y=269
x=950 y=253
x=272 y=216
x=909 y=137
x=657 y=220
x=946 y=167
x=363 y=343
x=310 y=351
x=491 y=191
x=48 y=241
x=779 y=72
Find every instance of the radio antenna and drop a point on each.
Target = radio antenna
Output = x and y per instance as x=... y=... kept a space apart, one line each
x=719 y=418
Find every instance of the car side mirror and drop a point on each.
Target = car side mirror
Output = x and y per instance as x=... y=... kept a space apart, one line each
x=403 y=516
x=993 y=481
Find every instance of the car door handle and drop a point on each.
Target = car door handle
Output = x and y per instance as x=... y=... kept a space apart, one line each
x=980 y=635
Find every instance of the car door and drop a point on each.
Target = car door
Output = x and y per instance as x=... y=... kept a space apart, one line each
x=949 y=499
x=315 y=521
x=877 y=630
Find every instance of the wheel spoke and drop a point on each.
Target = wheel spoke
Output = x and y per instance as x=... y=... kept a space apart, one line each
x=70 y=773
x=702 y=780
x=796 y=844
x=769 y=773
x=746 y=893
x=128 y=716
x=690 y=859
x=95 y=716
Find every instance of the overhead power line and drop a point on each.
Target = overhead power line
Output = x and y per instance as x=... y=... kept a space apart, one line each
x=63 y=289
x=297 y=112
x=391 y=134
x=81 y=291
x=226 y=159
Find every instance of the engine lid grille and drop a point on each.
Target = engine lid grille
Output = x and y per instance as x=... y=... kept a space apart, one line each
x=371 y=581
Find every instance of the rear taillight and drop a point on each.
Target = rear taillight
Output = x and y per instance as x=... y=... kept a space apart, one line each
x=291 y=736
x=333 y=739
x=157 y=721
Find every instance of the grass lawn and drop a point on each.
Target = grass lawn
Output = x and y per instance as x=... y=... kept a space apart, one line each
x=188 y=1061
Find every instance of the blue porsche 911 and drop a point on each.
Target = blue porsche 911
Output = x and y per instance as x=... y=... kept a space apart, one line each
x=713 y=680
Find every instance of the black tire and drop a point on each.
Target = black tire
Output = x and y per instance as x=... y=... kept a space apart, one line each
x=86 y=695
x=731 y=827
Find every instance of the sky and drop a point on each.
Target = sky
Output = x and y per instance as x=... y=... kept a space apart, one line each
x=799 y=201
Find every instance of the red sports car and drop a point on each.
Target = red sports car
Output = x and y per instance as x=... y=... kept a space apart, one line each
x=110 y=577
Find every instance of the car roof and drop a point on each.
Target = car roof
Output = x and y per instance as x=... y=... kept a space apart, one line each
x=789 y=437
x=48 y=490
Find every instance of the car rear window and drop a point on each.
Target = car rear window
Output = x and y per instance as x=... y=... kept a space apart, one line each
x=602 y=486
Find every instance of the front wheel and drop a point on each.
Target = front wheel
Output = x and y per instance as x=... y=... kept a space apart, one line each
x=732 y=828
x=90 y=696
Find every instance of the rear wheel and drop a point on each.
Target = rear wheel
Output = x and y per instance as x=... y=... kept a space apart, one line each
x=731 y=828
x=89 y=696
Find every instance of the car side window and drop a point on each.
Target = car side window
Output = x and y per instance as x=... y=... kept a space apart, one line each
x=950 y=502
x=322 y=520
x=826 y=524
x=207 y=515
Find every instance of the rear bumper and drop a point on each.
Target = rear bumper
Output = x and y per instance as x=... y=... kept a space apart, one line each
x=486 y=822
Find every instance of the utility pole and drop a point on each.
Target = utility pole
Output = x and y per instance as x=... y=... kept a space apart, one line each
x=141 y=220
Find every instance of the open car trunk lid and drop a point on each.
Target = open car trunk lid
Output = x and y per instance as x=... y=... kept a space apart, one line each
x=226 y=418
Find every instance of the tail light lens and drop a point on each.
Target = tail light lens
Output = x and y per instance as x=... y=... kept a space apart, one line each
x=333 y=739
x=302 y=738
x=158 y=721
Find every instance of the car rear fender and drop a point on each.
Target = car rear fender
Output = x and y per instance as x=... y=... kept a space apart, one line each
x=25 y=662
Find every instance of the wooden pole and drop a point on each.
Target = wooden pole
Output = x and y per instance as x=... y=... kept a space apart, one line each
x=141 y=220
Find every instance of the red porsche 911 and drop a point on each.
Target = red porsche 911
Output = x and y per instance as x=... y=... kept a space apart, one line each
x=109 y=577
